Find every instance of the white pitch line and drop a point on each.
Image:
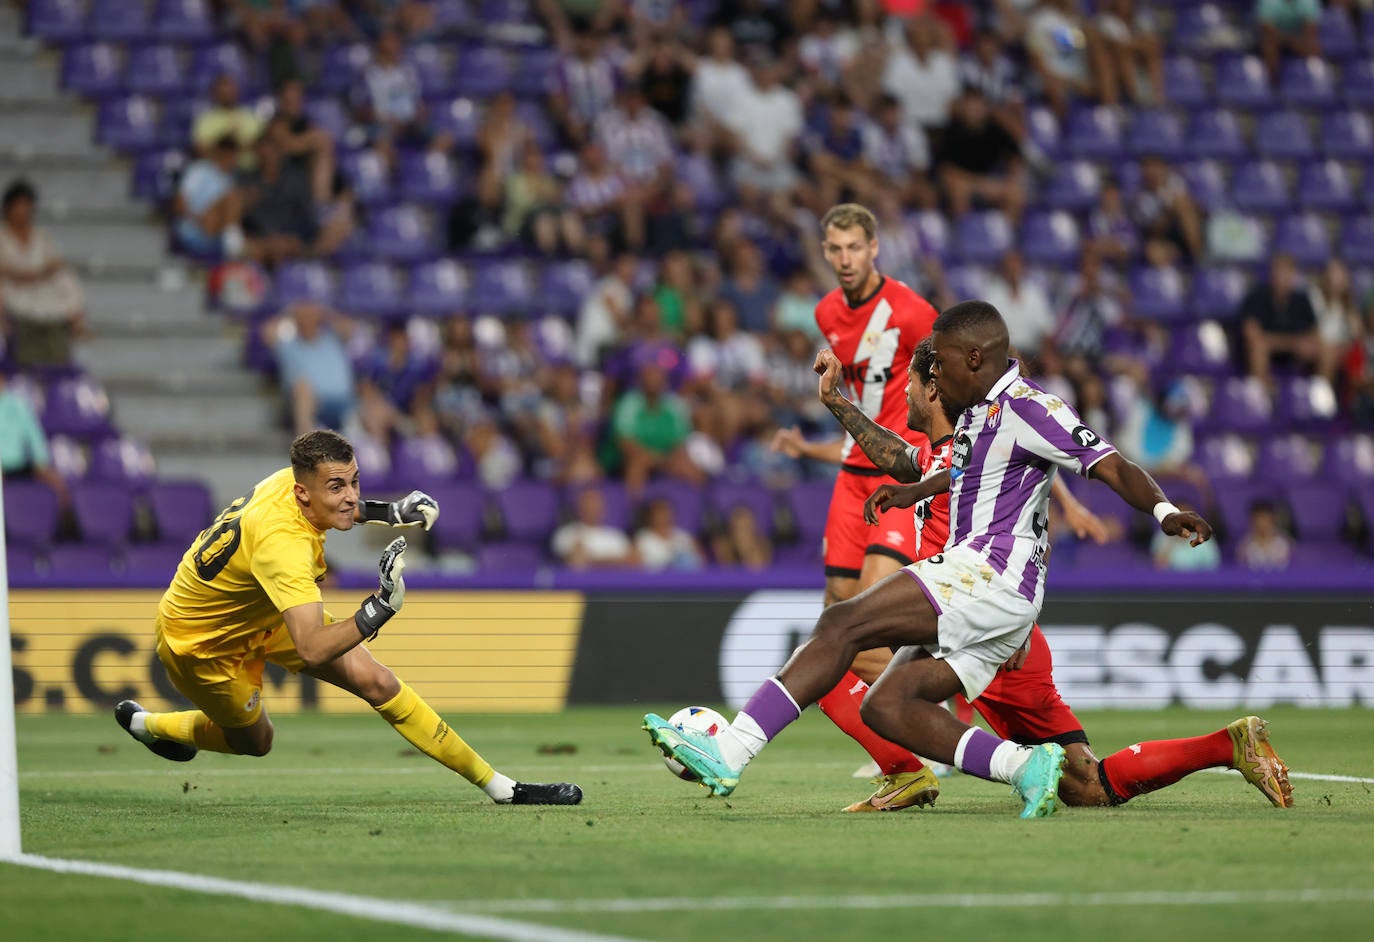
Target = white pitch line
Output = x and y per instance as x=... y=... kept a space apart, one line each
x=1313 y=776
x=923 y=901
x=420 y=915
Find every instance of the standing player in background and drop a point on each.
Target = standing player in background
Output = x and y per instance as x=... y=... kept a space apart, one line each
x=1022 y=704
x=960 y=615
x=248 y=592
x=872 y=323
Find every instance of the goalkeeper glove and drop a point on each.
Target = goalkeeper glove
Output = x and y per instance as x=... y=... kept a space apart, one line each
x=378 y=607
x=415 y=509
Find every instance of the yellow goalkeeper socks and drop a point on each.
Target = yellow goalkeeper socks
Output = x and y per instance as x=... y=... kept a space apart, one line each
x=191 y=727
x=416 y=720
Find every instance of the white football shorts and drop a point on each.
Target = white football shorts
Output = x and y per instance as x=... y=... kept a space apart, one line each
x=983 y=620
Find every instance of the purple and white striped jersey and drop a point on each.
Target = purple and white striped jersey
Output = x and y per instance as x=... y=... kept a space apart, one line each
x=1005 y=454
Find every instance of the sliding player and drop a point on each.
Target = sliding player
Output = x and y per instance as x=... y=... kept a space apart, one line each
x=247 y=592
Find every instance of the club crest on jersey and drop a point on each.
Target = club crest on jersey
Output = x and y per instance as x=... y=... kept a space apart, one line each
x=994 y=416
x=961 y=451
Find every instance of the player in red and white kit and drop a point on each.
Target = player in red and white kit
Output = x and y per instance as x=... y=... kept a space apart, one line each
x=1022 y=704
x=872 y=324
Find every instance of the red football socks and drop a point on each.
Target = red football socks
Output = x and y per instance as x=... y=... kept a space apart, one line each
x=1150 y=766
x=842 y=706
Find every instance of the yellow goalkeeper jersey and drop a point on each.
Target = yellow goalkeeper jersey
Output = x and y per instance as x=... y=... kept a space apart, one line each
x=258 y=558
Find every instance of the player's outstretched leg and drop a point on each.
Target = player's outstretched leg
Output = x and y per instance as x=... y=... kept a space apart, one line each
x=699 y=753
x=129 y=714
x=1255 y=758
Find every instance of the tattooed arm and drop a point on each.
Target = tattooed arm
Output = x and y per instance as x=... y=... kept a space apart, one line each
x=888 y=451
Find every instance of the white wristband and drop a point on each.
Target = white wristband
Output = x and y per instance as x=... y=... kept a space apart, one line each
x=1163 y=509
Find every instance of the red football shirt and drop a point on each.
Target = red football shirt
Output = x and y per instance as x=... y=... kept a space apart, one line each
x=932 y=516
x=874 y=342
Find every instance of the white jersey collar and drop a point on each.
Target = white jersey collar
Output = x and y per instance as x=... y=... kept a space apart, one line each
x=1007 y=379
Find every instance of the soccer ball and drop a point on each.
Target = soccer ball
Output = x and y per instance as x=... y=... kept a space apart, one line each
x=701 y=719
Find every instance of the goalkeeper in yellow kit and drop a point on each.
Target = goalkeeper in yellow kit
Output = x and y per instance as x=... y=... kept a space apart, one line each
x=247 y=592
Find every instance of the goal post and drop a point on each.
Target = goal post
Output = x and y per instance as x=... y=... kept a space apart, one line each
x=10 y=847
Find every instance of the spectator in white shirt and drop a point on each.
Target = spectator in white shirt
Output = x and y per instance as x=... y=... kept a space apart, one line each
x=605 y=312
x=766 y=121
x=589 y=542
x=390 y=102
x=898 y=151
x=921 y=75
x=1023 y=302
x=719 y=80
x=662 y=544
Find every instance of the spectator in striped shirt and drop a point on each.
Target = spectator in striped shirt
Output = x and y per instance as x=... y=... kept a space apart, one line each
x=609 y=207
x=637 y=140
x=586 y=83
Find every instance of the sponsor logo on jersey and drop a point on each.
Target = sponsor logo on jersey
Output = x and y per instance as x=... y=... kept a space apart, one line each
x=1085 y=436
x=961 y=451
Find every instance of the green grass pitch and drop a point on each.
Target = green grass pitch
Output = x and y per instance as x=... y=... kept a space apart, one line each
x=343 y=804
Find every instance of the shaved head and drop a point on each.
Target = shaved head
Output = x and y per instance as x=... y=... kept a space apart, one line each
x=971 y=346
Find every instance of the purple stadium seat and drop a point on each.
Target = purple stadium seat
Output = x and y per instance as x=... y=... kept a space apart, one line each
x=460 y=118
x=453 y=15
x=689 y=503
x=966 y=281
x=77 y=407
x=341 y=67
x=1347 y=135
x=510 y=559
x=1337 y=36
x=1217 y=133
x=807 y=503
x=1304 y=236
x=403 y=234
x=74 y=562
x=428 y=178
x=1283 y=135
x=429 y=457
x=31 y=515
x=563 y=286
x=155 y=174
x=1159 y=293
x=506 y=11
x=1306 y=401
x=128 y=124
x=1307 y=83
x=119 y=21
x=982 y=237
x=1357 y=240
x=1357 y=81
x=459 y=526
x=1184 y=83
x=502 y=287
x=1242 y=404
x=329 y=115
x=303 y=281
x=1074 y=185
x=153 y=563
x=438 y=289
x=372 y=289
x=1225 y=459
x=482 y=71
x=1050 y=238
x=432 y=69
x=155 y=70
x=1234 y=501
x=1242 y=82
x=104 y=514
x=57 y=21
x=183 y=20
x=1364 y=496
x=1095 y=133
x=725 y=498
x=529 y=510
x=1324 y=186
x=1196 y=24
x=1350 y=460
x=1200 y=348
x=121 y=459
x=210 y=62
x=366 y=172
x=1206 y=183
x=69 y=457
x=181 y=510
x=95 y=70
x=931 y=228
x=1217 y=292
x=1288 y=457
x=1260 y=186
x=1318 y=509
x=24 y=565
x=1042 y=126
x=1103 y=501
x=1156 y=131
x=535 y=72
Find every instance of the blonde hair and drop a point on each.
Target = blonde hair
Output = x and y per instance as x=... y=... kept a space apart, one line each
x=849 y=215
